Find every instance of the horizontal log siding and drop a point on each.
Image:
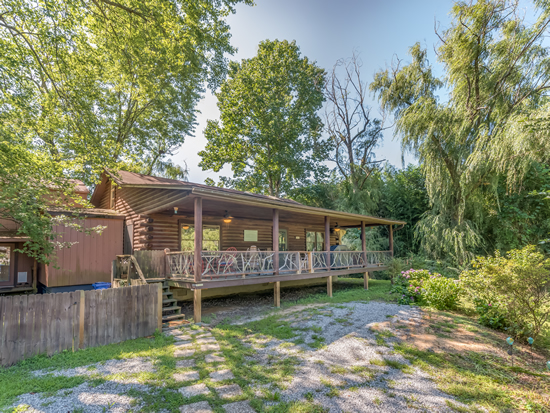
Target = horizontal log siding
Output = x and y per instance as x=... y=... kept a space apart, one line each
x=165 y=233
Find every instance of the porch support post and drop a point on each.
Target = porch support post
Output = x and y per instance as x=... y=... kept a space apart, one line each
x=364 y=242
x=198 y=242
x=390 y=227
x=275 y=242
x=327 y=241
x=277 y=293
x=366 y=280
x=329 y=286
x=197 y=306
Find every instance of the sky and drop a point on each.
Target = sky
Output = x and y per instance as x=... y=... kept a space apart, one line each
x=327 y=31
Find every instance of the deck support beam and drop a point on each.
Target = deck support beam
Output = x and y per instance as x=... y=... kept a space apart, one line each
x=277 y=293
x=329 y=286
x=366 y=280
x=197 y=306
x=198 y=241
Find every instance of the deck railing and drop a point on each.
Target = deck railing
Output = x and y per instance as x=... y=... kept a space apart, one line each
x=225 y=264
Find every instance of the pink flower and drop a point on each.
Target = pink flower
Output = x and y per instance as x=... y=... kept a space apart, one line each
x=411 y=286
x=489 y=304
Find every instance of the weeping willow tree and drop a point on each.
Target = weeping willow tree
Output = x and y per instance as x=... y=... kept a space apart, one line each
x=486 y=119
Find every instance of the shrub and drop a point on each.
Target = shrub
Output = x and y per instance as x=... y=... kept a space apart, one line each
x=441 y=293
x=423 y=287
x=517 y=284
x=490 y=315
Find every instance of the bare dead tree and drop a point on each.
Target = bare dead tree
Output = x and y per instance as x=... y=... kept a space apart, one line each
x=354 y=133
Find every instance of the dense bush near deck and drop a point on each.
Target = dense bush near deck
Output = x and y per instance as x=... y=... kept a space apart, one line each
x=511 y=291
x=423 y=287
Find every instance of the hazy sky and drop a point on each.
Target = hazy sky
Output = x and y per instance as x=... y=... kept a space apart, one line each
x=326 y=31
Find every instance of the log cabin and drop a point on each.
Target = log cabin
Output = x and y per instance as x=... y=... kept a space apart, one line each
x=203 y=241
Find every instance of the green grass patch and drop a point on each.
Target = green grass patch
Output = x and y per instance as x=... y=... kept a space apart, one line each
x=482 y=380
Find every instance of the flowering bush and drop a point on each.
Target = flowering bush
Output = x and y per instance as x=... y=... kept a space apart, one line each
x=423 y=287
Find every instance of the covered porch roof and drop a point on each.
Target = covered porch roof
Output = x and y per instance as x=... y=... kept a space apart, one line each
x=238 y=204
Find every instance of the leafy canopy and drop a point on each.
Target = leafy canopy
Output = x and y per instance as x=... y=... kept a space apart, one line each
x=269 y=130
x=497 y=77
x=96 y=84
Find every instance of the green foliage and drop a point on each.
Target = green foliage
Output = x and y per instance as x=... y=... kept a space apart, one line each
x=490 y=315
x=490 y=124
x=517 y=284
x=424 y=288
x=102 y=83
x=441 y=293
x=404 y=197
x=269 y=130
x=31 y=186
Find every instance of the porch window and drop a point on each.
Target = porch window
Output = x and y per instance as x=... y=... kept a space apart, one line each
x=315 y=241
x=5 y=258
x=283 y=240
x=210 y=238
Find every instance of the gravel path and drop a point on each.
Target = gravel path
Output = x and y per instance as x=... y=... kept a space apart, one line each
x=342 y=377
x=352 y=369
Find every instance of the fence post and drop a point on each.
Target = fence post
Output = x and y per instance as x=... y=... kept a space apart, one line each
x=159 y=307
x=81 y=320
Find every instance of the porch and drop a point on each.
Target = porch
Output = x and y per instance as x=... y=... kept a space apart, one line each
x=197 y=237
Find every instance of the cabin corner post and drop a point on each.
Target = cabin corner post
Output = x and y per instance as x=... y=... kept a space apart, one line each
x=390 y=228
x=275 y=246
x=198 y=240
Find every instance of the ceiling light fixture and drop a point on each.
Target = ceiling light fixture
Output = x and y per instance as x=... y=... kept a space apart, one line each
x=227 y=218
x=176 y=210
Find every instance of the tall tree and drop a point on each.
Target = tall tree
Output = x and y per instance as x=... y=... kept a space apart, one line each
x=95 y=83
x=269 y=130
x=497 y=75
x=353 y=131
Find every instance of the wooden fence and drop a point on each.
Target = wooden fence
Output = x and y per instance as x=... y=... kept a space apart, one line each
x=152 y=263
x=51 y=323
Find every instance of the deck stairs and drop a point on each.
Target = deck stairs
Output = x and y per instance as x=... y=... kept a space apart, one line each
x=171 y=312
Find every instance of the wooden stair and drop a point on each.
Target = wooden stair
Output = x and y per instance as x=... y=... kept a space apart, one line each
x=171 y=312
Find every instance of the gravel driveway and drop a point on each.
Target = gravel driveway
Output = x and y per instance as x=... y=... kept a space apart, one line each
x=346 y=363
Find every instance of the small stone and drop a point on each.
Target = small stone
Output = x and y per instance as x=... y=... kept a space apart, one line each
x=184 y=353
x=231 y=390
x=205 y=340
x=182 y=338
x=187 y=376
x=200 y=407
x=214 y=358
x=182 y=364
x=182 y=344
x=209 y=347
x=238 y=407
x=221 y=375
x=194 y=390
